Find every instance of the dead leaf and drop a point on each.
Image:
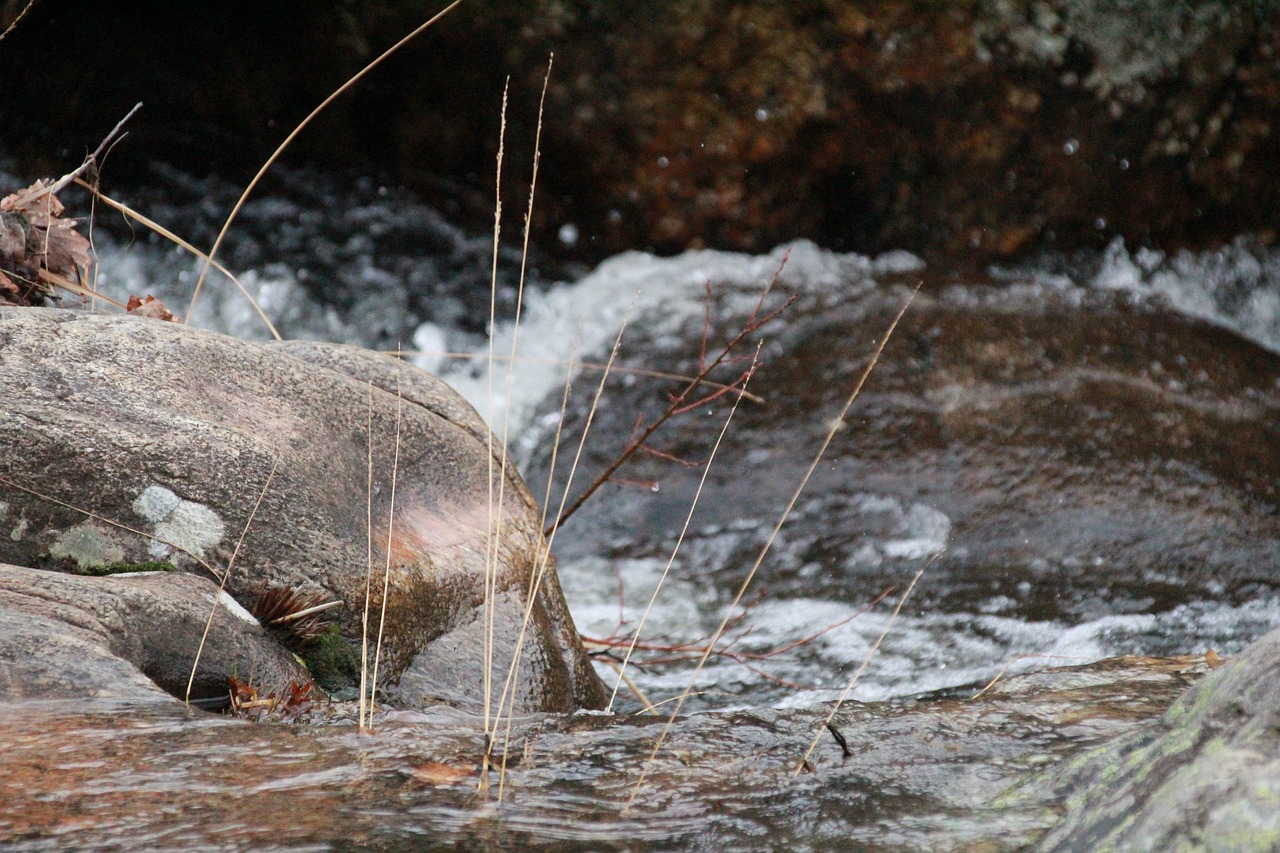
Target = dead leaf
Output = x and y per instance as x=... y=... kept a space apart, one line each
x=149 y=307
x=39 y=246
x=25 y=200
x=436 y=773
x=1213 y=659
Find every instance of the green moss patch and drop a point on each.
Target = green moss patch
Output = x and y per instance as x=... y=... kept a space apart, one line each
x=334 y=664
x=126 y=568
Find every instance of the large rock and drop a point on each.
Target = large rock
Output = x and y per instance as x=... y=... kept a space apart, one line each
x=151 y=441
x=1205 y=776
x=988 y=126
x=123 y=635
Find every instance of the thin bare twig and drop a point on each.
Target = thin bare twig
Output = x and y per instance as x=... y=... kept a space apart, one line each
x=589 y=365
x=678 y=403
x=91 y=162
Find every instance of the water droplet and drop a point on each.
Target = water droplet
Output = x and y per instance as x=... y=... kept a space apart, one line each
x=762 y=114
x=1070 y=147
x=663 y=162
x=1100 y=223
x=656 y=487
x=1124 y=165
x=568 y=234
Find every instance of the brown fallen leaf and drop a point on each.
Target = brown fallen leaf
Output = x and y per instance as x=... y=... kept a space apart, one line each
x=436 y=773
x=1213 y=659
x=38 y=245
x=149 y=307
x=9 y=292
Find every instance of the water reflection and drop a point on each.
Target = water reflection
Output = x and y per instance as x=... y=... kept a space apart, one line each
x=111 y=776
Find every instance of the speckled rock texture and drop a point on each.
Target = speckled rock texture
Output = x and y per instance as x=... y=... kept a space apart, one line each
x=973 y=128
x=151 y=441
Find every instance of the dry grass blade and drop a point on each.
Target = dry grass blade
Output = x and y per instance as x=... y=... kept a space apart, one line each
x=535 y=582
x=275 y=155
x=555 y=443
x=386 y=571
x=195 y=664
x=545 y=557
x=649 y=708
x=52 y=280
x=1004 y=670
x=693 y=505
x=17 y=19
x=491 y=552
x=368 y=571
x=836 y=425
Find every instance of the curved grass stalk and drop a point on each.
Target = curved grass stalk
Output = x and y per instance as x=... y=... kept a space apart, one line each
x=836 y=425
x=288 y=140
x=17 y=19
x=98 y=195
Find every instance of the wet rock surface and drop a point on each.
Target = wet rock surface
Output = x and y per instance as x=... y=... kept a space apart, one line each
x=928 y=773
x=981 y=128
x=1205 y=775
x=192 y=447
x=1069 y=455
x=122 y=636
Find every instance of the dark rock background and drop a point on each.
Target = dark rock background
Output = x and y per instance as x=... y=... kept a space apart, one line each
x=976 y=129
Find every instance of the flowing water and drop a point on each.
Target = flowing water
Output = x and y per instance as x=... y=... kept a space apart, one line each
x=355 y=262
x=349 y=260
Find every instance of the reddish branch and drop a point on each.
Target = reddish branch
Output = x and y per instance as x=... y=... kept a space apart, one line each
x=684 y=402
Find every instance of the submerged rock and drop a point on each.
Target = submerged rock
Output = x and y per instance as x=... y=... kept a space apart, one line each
x=146 y=440
x=1069 y=456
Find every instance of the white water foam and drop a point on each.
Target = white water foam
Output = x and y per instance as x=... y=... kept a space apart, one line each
x=660 y=294
x=1237 y=286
